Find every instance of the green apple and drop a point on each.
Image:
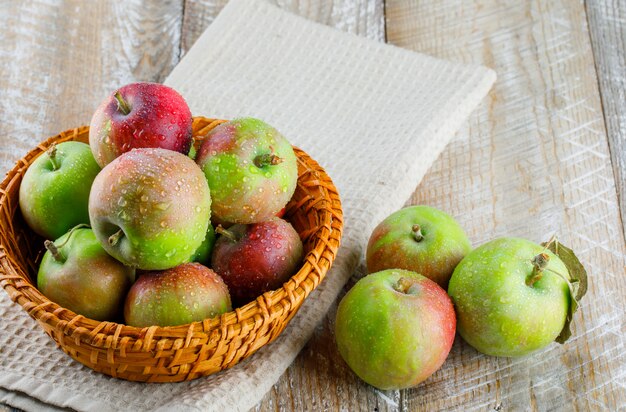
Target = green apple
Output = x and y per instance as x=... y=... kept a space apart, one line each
x=421 y=239
x=79 y=275
x=55 y=190
x=511 y=297
x=395 y=328
x=203 y=253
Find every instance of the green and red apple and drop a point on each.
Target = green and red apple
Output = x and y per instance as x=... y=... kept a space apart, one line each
x=420 y=239
x=251 y=169
x=54 y=192
x=77 y=273
x=511 y=296
x=395 y=328
x=187 y=293
x=150 y=208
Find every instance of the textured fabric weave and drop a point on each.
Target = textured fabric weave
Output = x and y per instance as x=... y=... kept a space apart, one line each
x=374 y=116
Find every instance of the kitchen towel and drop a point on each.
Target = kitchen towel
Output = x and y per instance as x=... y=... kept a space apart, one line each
x=373 y=115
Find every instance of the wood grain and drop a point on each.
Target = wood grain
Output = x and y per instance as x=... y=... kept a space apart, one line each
x=532 y=161
x=61 y=58
x=363 y=17
x=607 y=26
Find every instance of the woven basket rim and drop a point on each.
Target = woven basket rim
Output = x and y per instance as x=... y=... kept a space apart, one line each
x=106 y=334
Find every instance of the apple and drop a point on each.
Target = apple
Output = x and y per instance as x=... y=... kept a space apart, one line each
x=421 y=239
x=253 y=259
x=184 y=294
x=511 y=297
x=150 y=208
x=395 y=328
x=79 y=275
x=251 y=169
x=55 y=189
x=203 y=253
x=192 y=152
x=140 y=115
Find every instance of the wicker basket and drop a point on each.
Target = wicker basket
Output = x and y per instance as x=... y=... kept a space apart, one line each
x=170 y=354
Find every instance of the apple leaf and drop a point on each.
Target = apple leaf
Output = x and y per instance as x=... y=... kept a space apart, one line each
x=577 y=282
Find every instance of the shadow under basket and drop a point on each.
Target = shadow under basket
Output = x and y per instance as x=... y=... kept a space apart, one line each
x=185 y=352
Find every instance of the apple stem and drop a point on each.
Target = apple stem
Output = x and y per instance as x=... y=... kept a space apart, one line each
x=54 y=250
x=72 y=230
x=403 y=285
x=52 y=152
x=417 y=233
x=267 y=159
x=224 y=232
x=121 y=103
x=540 y=262
x=115 y=237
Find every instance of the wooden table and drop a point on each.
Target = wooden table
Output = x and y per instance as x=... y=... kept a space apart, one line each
x=545 y=153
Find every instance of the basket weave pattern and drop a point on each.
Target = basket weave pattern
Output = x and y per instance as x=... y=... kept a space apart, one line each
x=171 y=354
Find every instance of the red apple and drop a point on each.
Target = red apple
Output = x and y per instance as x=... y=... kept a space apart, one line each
x=253 y=259
x=140 y=115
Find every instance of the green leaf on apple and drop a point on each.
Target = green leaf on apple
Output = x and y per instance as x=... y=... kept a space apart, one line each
x=577 y=282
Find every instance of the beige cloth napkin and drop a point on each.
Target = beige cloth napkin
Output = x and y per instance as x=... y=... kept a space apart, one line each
x=374 y=116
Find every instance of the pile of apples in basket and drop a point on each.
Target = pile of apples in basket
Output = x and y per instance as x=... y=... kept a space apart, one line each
x=147 y=213
x=134 y=241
